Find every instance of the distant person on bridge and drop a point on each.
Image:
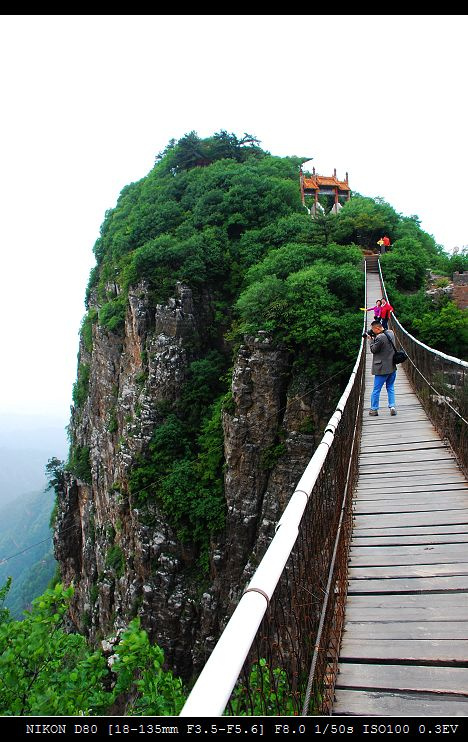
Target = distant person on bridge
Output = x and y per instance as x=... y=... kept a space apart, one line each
x=385 y=309
x=376 y=309
x=383 y=243
x=383 y=368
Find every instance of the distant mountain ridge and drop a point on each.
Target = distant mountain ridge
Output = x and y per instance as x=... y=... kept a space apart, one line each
x=26 y=444
x=26 y=552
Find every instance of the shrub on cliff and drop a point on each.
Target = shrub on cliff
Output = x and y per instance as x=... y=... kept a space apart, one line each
x=307 y=297
x=45 y=670
x=406 y=265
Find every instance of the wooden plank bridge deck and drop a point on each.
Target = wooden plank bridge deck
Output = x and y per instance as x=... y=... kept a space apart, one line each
x=405 y=643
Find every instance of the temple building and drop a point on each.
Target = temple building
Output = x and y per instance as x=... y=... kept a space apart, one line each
x=313 y=186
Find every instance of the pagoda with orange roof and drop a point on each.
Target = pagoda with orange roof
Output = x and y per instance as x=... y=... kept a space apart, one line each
x=313 y=186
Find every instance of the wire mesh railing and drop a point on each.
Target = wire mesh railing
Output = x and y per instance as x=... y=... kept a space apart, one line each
x=279 y=652
x=441 y=383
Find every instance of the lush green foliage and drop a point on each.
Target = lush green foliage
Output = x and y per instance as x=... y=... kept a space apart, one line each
x=182 y=470
x=4 y=612
x=364 y=220
x=79 y=463
x=115 y=560
x=183 y=466
x=86 y=330
x=182 y=221
x=55 y=475
x=112 y=313
x=307 y=297
x=81 y=385
x=449 y=264
x=46 y=671
x=267 y=693
x=406 y=265
x=191 y=151
x=446 y=329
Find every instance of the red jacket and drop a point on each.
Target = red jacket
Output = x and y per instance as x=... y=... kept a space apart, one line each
x=386 y=241
x=385 y=310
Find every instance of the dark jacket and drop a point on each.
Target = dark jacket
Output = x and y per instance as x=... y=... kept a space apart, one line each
x=382 y=351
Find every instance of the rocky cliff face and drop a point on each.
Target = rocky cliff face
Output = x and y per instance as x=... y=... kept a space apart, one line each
x=122 y=564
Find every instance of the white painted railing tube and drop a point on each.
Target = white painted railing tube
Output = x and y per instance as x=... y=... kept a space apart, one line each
x=439 y=353
x=310 y=475
x=211 y=692
x=271 y=567
x=213 y=688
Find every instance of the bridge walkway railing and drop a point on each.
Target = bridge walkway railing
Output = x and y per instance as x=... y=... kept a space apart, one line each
x=278 y=653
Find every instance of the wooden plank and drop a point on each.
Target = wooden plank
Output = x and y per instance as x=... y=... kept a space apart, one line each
x=404 y=434
x=442 y=470
x=395 y=571
x=401 y=497
x=409 y=585
x=402 y=457
x=413 y=519
x=406 y=678
x=418 y=601
x=395 y=443
x=405 y=650
x=417 y=530
x=408 y=630
x=357 y=703
x=404 y=404
x=418 y=431
x=410 y=504
x=378 y=555
x=385 y=423
x=421 y=453
x=388 y=448
x=441 y=614
x=434 y=482
x=403 y=490
x=373 y=541
x=445 y=464
x=397 y=437
x=400 y=423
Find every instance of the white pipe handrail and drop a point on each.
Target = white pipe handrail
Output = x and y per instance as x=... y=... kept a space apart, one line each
x=210 y=694
x=439 y=353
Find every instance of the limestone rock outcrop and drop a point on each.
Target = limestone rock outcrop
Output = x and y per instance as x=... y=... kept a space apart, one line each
x=121 y=562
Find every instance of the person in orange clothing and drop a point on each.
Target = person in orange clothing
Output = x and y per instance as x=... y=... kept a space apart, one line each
x=386 y=243
x=385 y=310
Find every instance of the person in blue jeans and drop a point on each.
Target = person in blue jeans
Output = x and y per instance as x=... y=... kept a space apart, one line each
x=383 y=368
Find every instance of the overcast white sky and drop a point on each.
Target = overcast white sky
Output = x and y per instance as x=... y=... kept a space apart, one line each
x=88 y=101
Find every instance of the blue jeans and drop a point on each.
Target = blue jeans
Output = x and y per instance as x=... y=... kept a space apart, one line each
x=379 y=381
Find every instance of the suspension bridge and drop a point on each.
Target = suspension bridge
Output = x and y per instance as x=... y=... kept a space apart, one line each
x=360 y=604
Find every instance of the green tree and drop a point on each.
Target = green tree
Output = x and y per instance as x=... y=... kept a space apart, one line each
x=406 y=265
x=55 y=472
x=446 y=329
x=364 y=220
x=44 y=670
